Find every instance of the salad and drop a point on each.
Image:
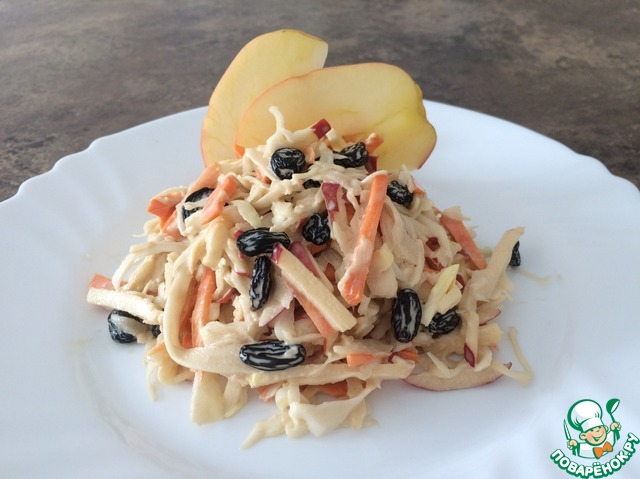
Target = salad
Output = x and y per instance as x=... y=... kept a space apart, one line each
x=302 y=274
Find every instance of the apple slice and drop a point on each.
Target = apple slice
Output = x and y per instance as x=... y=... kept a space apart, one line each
x=330 y=193
x=263 y=62
x=356 y=100
x=280 y=299
x=301 y=252
x=466 y=378
x=311 y=290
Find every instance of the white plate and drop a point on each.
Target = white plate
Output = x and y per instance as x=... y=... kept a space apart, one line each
x=75 y=404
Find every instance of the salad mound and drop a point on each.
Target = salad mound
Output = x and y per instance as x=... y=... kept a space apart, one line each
x=302 y=274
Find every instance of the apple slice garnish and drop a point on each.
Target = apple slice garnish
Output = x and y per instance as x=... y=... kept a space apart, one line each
x=466 y=378
x=356 y=100
x=263 y=62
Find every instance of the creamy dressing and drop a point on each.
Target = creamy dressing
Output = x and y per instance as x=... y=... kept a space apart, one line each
x=305 y=309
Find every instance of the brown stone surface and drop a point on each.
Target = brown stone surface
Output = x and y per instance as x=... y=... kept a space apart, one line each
x=73 y=71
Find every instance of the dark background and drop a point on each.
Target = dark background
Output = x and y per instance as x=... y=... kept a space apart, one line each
x=73 y=71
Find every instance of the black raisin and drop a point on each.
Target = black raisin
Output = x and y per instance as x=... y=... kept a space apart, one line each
x=352 y=156
x=260 y=282
x=287 y=161
x=515 y=255
x=188 y=208
x=406 y=315
x=444 y=323
x=118 y=329
x=273 y=355
x=155 y=330
x=399 y=193
x=260 y=241
x=311 y=184
x=316 y=229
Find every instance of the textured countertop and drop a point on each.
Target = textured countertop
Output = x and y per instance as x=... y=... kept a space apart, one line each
x=71 y=71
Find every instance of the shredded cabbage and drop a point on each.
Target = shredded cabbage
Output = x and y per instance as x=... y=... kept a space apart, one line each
x=411 y=249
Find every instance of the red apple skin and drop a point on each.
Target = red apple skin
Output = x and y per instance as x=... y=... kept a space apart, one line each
x=302 y=253
x=272 y=315
x=330 y=193
x=486 y=316
x=469 y=356
x=372 y=164
x=321 y=128
x=467 y=378
x=275 y=254
x=228 y=296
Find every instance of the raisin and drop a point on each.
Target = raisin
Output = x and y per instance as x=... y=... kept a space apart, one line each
x=406 y=315
x=287 y=161
x=272 y=355
x=155 y=330
x=444 y=323
x=260 y=241
x=121 y=324
x=197 y=196
x=352 y=156
x=316 y=229
x=260 y=282
x=399 y=193
x=515 y=255
x=311 y=184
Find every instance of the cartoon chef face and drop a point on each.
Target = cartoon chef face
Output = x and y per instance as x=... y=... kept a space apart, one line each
x=595 y=436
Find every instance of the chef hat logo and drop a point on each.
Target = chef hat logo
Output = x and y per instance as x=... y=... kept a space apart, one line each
x=585 y=415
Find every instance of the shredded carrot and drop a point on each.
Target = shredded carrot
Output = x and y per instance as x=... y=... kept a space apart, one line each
x=419 y=191
x=262 y=176
x=323 y=326
x=330 y=272
x=353 y=283
x=170 y=228
x=461 y=235
x=268 y=392
x=239 y=149
x=100 y=282
x=359 y=359
x=373 y=142
x=207 y=179
x=186 y=339
x=336 y=390
x=200 y=315
x=222 y=193
x=314 y=249
x=164 y=207
x=410 y=354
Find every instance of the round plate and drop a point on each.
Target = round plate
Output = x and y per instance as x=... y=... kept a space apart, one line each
x=72 y=400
